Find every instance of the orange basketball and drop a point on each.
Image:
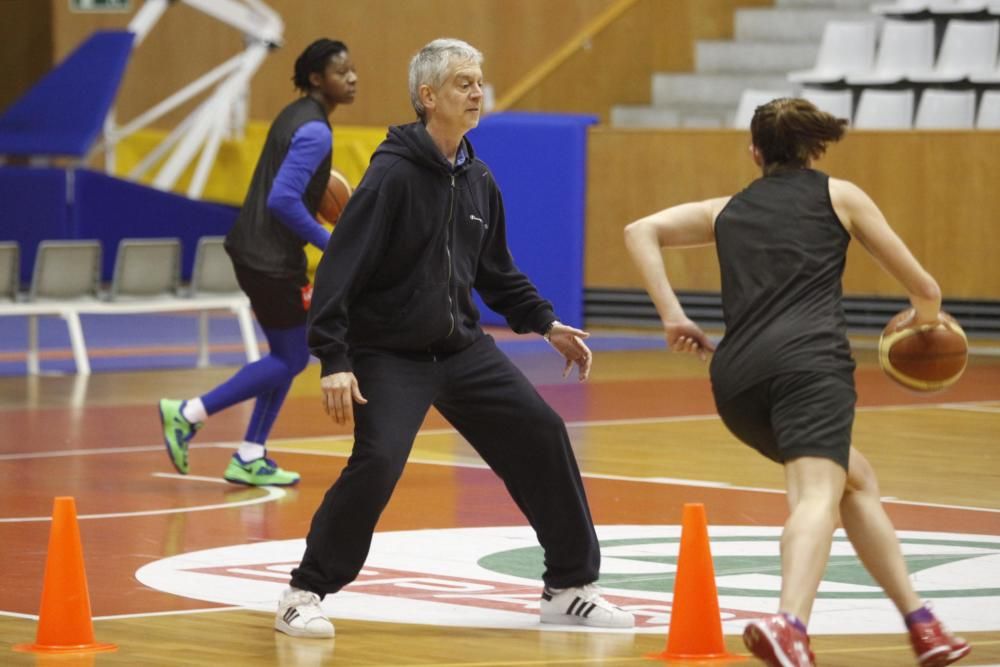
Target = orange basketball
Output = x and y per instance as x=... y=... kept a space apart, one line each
x=338 y=190
x=929 y=357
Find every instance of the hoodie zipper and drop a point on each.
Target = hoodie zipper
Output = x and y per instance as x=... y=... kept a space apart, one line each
x=447 y=249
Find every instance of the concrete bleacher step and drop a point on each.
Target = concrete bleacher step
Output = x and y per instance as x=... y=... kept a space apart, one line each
x=835 y=4
x=711 y=89
x=696 y=115
x=790 y=24
x=713 y=56
x=629 y=115
x=768 y=43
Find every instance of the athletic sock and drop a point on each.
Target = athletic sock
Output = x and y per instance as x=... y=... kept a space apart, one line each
x=194 y=411
x=251 y=451
x=922 y=615
x=795 y=622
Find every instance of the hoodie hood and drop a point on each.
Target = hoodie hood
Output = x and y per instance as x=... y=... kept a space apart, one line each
x=413 y=142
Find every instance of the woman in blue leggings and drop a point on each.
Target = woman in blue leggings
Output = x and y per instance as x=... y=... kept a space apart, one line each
x=266 y=245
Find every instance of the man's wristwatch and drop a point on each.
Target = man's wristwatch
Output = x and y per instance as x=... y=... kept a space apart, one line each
x=548 y=330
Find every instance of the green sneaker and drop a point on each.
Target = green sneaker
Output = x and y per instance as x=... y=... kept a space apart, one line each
x=177 y=432
x=259 y=472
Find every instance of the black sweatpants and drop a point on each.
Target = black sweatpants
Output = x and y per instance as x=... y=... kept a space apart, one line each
x=490 y=402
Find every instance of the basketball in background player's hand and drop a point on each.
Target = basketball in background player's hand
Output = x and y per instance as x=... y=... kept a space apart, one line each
x=334 y=198
x=926 y=357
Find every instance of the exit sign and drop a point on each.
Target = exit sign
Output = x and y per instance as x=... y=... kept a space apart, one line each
x=99 y=5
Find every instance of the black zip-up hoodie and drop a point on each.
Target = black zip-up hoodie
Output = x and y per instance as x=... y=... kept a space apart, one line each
x=413 y=241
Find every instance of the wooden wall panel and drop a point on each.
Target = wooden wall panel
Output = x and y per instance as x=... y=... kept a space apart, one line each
x=937 y=189
x=25 y=46
x=184 y=45
x=382 y=34
x=515 y=36
x=616 y=66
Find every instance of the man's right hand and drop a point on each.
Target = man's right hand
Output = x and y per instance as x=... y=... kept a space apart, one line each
x=340 y=390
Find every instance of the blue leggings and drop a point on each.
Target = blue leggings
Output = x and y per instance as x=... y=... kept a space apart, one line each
x=268 y=380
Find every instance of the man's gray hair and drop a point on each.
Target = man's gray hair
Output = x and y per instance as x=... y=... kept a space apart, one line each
x=433 y=62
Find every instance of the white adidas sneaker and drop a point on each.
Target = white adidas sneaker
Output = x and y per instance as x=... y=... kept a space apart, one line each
x=583 y=605
x=300 y=615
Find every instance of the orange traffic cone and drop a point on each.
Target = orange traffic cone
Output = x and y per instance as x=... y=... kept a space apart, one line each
x=695 y=623
x=64 y=621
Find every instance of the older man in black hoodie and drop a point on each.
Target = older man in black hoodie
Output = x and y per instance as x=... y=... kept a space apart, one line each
x=396 y=330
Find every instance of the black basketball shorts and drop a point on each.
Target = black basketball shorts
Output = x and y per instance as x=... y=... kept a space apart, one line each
x=277 y=302
x=795 y=414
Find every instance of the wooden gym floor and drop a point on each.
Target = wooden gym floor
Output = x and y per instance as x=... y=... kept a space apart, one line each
x=647 y=440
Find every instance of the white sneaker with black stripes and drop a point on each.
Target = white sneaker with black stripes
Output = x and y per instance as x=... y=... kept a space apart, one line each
x=300 y=615
x=582 y=606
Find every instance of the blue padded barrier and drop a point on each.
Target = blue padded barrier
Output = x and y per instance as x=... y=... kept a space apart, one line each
x=33 y=208
x=64 y=112
x=539 y=160
x=111 y=209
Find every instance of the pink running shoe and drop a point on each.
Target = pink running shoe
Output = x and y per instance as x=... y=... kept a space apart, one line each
x=935 y=646
x=778 y=643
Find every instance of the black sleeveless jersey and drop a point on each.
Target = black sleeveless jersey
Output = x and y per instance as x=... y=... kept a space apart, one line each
x=258 y=240
x=782 y=251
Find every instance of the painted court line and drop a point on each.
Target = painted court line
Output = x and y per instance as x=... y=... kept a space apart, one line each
x=992 y=409
x=975 y=406
x=177 y=612
x=272 y=493
x=110 y=450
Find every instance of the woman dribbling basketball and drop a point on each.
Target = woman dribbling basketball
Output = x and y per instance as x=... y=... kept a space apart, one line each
x=782 y=376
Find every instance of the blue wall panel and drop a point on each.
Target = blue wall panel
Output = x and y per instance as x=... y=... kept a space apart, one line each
x=33 y=208
x=539 y=161
x=111 y=209
x=64 y=112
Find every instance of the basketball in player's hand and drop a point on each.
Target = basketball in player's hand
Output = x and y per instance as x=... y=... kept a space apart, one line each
x=926 y=357
x=338 y=190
